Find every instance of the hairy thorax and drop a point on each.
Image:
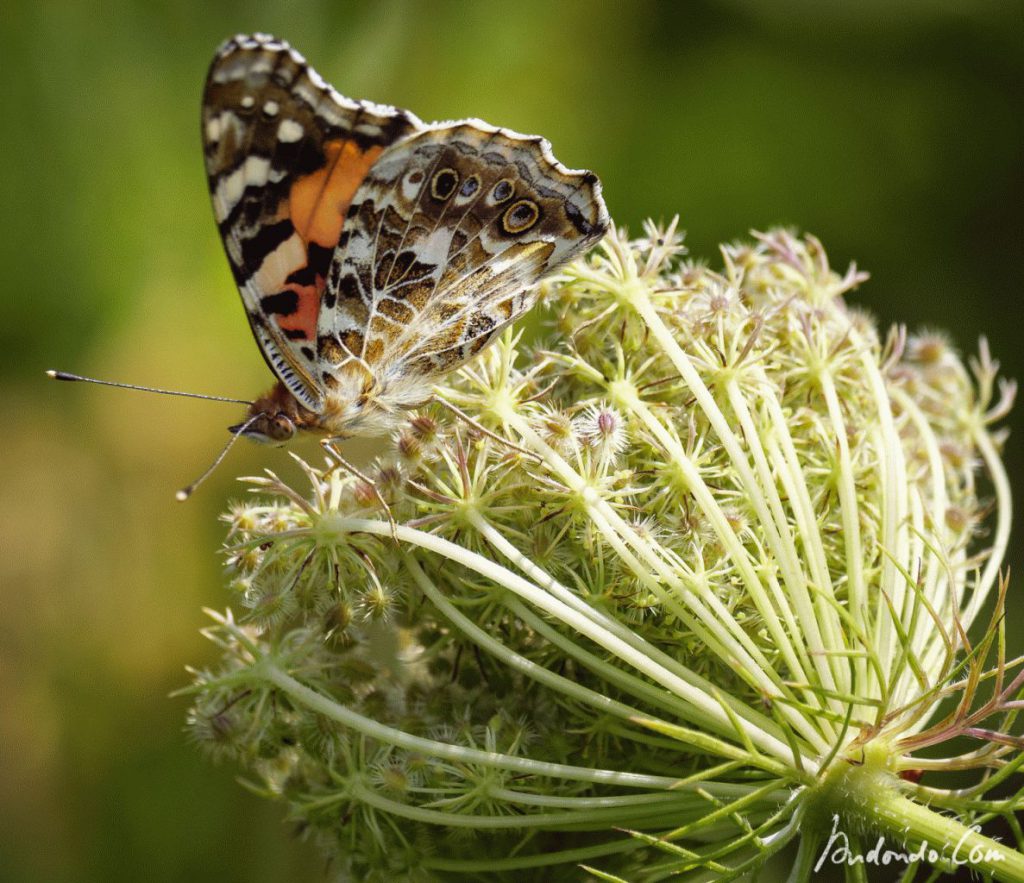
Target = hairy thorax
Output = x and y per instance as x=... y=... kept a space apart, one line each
x=349 y=409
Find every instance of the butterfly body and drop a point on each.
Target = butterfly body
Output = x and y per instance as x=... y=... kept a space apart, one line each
x=356 y=408
x=374 y=253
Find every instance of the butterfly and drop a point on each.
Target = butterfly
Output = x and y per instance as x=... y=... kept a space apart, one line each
x=374 y=253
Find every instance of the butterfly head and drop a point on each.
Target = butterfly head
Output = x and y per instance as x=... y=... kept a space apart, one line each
x=269 y=428
x=272 y=419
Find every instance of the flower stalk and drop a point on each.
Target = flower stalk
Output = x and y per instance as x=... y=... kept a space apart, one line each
x=867 y=796
x=667 y=592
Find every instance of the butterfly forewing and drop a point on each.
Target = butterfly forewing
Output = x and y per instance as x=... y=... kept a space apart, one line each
x=285 y=154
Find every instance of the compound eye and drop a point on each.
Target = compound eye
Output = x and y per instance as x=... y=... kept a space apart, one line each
x=281 y=427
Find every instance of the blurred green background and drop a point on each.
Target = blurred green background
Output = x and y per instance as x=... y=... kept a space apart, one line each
x=894 y=134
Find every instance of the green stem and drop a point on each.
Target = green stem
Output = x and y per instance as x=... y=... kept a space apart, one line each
x=863 y=797
x=643 y=662
x=306 y=697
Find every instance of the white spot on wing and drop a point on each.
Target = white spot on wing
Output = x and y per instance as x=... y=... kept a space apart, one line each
x=280 y=264
x=254 y=170
x=369 y=129
x=216 y=126
x=289 y=131
x=213 y=129
x=411 y=187
x=434 y=249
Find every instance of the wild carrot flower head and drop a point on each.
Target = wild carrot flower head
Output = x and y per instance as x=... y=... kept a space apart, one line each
x=694 y=565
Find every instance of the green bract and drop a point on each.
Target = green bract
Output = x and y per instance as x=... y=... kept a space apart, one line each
x=689 y=583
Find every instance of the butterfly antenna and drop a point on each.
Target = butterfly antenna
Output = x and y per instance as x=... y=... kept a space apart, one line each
x=64 y=375
x=186 y=492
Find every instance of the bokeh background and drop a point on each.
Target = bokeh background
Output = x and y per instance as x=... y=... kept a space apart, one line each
x=893 y=131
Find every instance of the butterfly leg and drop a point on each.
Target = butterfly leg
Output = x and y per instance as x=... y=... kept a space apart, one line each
x=329 y=445
x=462 y=415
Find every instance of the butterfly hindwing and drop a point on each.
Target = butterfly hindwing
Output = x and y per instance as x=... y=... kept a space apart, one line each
x=446 y=238
x=285 y=154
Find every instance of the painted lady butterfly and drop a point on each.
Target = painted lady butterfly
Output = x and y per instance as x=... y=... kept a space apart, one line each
x=374 y=253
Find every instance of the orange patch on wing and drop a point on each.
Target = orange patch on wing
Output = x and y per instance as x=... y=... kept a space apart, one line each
x=317 y=205
x=304 y=318
x=318 y=201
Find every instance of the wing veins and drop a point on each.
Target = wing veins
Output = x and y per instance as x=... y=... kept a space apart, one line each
x=467 y=308
x=376 y=245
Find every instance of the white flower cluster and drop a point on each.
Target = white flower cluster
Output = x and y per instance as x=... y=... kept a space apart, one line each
x=677 y=570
